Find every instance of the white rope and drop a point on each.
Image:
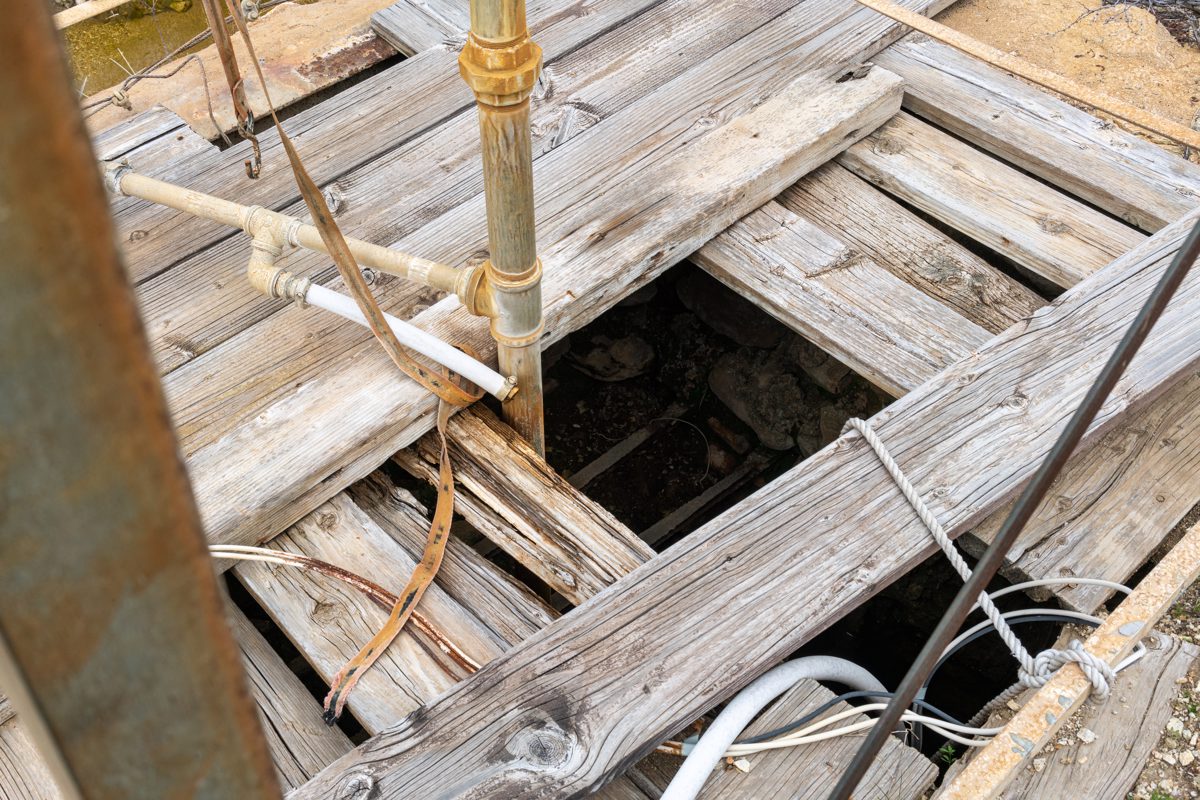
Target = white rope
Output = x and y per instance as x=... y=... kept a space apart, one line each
x=1034 y=672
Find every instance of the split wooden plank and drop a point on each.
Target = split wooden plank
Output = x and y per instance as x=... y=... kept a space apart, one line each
x=23 y=774
x=206 y=299
x=807 y=772
x=512 y=496
x=1127 y=728
x=885 y=330
x=1121 y=173
x=329 y=621
x=1015 y=215
x=301 y=744
x=805 y=546
x=501 y=602
x=415 y=25
x=637 y=221
x=848 y=208
x=996 y=764
x=1113 y=505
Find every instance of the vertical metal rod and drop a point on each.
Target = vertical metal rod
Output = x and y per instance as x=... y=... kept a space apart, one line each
x=501 y=65
x=1022 y=511
x=113 y=639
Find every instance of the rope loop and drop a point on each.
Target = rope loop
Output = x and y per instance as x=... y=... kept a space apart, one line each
x=1048 y=662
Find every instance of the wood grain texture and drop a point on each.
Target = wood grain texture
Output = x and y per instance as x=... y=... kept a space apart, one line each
x=849 y=209
x=1091 y=158
x=807 y=772
x=328 y=621
x=512 y=496
x=497 y=599
x=23 y=775
x=626 y=226
x=1127 y=728
x=815 y=542
x=1112 y=506
x=301 y=744
x=411 y=26
x=836 y=297
x=1019 y=217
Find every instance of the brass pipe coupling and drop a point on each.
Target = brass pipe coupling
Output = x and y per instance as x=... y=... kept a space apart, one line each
x=512 y=303
x=500 y=73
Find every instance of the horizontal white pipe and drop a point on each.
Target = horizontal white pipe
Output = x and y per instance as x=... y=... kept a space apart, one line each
x=745 y=706
x=412 y=337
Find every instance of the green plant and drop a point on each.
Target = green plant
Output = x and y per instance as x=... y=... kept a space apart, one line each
x=946 y=754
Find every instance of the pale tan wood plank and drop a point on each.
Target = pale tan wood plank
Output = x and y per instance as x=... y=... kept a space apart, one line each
x=849 y=209
x=638 y=219
x=1091 y=158
x=1127 y=728
x=301 y=744
x=415 y=25
x=809 y=545
x=1019 y=217
x=500 y=601
x=808 y=772
x=23 y=775
x=329 y=621
x=890 y=333
x=512 y=496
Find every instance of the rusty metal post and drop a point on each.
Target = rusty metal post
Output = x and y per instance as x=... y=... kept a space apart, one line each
x=501 y=65
x=113 y=640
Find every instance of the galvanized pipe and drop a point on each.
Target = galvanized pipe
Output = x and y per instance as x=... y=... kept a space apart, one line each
x=501 y=65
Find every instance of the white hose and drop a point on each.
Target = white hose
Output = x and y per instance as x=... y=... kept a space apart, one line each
x=708 y=752
x=410 y=336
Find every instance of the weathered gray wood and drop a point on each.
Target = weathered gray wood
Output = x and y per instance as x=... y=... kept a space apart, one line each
x=812 y=544
x=329 y=621
x=1039 y=228
x=411 y=26
x=1113 y=505
x=1127 y=729
x=628 y=226
x=853 y=211
x=301 y=744
x=23 y=774
x=890 y=333
x=807 y=772
x=512 y=496
x=1091 y=158
x=502 y=603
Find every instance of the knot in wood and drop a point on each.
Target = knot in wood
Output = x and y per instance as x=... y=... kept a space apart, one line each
x=359 y=786
x=541 y=746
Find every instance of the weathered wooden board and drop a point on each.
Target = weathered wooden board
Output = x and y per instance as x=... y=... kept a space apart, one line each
x=1019 y=217
x=1113 y=505
x=502 y=603
x=807 y=772
x=23 y=774
x=415 y=25
x=301 y=744
x=329 y=621
x=512 y=496
x=1127 y=727
x=881 y=327
x=848 y=208
x=628 y=226
x=809 y=545
x=1073 y=150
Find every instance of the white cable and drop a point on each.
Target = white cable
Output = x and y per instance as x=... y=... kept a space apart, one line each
x=732 y=720
x=413 y=337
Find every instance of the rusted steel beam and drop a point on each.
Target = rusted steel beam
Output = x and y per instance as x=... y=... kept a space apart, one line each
x=993 y=768
x=113 y=642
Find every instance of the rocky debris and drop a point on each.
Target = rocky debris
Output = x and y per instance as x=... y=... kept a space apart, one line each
x=1086 y=735
x=824 y=370
x=758 y=388
x=615 y=359
x=727 y=312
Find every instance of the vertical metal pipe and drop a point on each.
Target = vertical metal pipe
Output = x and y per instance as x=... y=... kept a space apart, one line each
x=113 y=639
x=501 y=64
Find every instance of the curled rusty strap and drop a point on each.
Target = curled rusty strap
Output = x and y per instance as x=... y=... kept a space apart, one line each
x=442 y=385
x=233 y=77
x=431 y=560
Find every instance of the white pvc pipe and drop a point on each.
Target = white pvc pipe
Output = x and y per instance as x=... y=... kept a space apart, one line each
x=707 y=753
x=429 y=346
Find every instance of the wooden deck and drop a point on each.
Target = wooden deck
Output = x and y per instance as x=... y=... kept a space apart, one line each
x=910 y=219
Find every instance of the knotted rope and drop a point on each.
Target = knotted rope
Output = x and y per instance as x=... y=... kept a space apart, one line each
x=1034 y=671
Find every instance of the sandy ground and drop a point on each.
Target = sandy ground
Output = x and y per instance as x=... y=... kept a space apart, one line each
x=1120 y=50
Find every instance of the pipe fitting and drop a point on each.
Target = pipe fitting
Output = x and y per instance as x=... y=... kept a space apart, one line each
x=114 y=171
x=500 y=73
x=262 y=270
x=513 y=303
